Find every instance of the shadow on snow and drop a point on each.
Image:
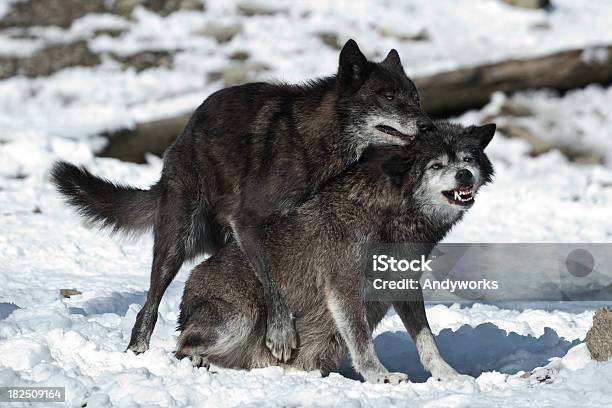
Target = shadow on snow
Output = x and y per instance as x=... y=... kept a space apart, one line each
x=470 y=350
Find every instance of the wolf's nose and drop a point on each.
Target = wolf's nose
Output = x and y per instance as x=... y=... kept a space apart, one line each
x=425 y=125
x=464 y=176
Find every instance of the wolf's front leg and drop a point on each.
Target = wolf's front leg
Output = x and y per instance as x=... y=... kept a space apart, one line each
x=414 y=318
x=346 y=304
x=281 y=337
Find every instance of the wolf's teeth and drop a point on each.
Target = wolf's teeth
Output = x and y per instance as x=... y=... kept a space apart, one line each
x=457 y=196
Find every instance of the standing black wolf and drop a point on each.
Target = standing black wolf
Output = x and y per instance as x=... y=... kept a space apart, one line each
x=411 y=195
x=248 y=154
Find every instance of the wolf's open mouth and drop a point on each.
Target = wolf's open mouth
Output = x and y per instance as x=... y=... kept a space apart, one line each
x=463 y=195
x=393 y=132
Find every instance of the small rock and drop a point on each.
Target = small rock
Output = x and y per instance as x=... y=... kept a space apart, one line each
x=221 y=33
x=239 y=56
x=530 y=4
x=599 y=337
x=67 y=293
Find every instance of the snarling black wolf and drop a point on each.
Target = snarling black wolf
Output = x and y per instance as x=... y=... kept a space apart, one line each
x=251 y=153
x=411 y=195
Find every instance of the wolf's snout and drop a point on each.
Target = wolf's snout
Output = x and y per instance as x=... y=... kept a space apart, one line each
x=464 y=176
x=425 y=125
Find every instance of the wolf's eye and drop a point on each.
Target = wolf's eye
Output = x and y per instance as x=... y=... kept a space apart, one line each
x=467 y=159
x=389 y=96
x=436 y=166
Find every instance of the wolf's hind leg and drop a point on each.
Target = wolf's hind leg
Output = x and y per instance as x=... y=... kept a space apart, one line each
x=413 y=316
x=199 y=335
x=170 y=235
x=224 y=334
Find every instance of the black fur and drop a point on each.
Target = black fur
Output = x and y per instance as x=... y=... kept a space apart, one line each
x=251 y=153
x=315 y=255
x=115 y=206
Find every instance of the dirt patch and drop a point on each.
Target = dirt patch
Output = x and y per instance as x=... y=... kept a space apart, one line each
x=62 y=13
x=49 y=60
x=162 y=7
x=147 y=59
x=50 y=12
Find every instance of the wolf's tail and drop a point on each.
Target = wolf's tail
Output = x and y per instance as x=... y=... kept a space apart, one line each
x=116 y=206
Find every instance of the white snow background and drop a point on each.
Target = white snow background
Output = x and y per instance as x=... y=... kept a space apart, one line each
x=79 y=342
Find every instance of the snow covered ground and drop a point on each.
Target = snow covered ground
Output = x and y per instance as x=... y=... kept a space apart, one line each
x=79 y=342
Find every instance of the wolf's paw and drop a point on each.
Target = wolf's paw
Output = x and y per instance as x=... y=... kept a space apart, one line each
x=452 y=375
x=199 y=362
x=542 y=375
x=389 y=378
x=138 y=347
x=281 y=337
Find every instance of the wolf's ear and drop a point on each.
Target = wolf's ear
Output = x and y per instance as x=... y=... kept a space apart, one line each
x=392 y=61
x=353 y=63
x=482 y=134
x=396 y=168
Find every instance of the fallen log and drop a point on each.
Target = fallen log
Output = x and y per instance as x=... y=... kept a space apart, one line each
x=151 y=137
x=457 y=91
x=443 y=94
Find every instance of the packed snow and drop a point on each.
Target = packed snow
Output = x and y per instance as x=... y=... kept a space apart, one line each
x=79 y=342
